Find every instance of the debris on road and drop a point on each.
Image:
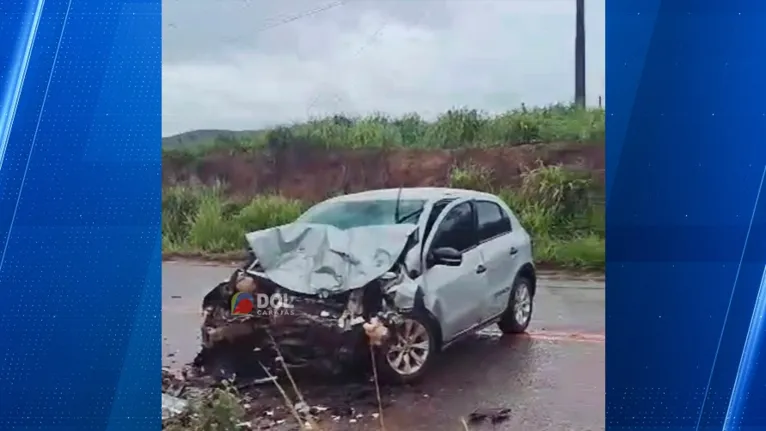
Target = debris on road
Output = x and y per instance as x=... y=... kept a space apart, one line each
x=493 y=415
x=172 y=406
x=263 y=405
x=376 y=331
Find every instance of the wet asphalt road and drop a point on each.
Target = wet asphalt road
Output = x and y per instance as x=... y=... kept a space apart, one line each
x=551 y=379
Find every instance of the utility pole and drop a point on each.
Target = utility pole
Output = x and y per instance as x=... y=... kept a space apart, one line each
x=580 y=54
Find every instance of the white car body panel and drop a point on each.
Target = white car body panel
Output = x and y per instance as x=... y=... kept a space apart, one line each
x=459 y=297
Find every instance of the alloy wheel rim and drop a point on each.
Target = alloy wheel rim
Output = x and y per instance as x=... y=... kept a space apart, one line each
x=409 y=352
x=522 y=304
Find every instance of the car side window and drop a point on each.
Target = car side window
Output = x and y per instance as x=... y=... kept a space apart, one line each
x=492 y=221
x=435 y=211
x=457 y=230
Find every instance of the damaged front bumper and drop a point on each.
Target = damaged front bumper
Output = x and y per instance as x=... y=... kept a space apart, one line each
x=327 y=331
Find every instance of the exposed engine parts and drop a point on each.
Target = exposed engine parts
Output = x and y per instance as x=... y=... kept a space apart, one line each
x=327 y=332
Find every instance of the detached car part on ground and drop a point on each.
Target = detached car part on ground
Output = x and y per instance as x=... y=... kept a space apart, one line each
x=407 y=270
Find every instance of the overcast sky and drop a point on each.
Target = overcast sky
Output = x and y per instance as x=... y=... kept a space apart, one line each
x=235 y=64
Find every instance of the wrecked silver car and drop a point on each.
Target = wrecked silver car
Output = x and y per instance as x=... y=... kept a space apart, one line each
x=408 y=271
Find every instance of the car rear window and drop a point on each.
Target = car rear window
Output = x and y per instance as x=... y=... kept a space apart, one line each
x=492 y=220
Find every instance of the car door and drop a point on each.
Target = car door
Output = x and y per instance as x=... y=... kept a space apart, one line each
x=499 y=252
x=456 y=291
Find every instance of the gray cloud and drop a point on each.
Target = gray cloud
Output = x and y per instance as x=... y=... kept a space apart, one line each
x=224 y=68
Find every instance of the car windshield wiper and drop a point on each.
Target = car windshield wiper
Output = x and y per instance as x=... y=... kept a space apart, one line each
x=408 y=216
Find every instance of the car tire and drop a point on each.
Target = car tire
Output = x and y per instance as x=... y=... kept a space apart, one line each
x=516 y=317
x=421 y=342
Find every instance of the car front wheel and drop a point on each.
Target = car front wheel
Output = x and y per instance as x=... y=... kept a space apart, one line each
x=410 y=351
x=518 y=314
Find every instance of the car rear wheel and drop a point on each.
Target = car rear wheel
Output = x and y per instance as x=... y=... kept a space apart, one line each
x=518 y=314
x=410 y=351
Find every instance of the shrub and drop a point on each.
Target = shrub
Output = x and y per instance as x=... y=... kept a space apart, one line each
x=563 y=192
x=210 y=231
x=203 y=220
x=471 y=176
x=179 y=206
x=217 y=410
x=554 y=201
x=268 y=211
x=585 y=252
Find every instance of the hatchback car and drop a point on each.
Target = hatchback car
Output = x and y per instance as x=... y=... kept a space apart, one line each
x=435 y=264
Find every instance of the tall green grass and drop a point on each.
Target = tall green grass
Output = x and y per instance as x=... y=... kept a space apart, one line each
x=454 y=129
x=202 y=220
x=558 y=207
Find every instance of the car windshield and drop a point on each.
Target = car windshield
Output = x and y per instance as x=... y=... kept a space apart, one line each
x=351 y=214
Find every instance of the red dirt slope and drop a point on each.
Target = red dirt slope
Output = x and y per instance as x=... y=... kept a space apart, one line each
x=315 y=173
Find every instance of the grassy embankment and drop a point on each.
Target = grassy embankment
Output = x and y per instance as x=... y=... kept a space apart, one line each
x=556 y=205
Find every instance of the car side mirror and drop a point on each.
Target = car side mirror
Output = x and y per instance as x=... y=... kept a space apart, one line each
x=446 y=256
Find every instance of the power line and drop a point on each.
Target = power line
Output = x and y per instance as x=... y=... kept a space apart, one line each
x=303 y=14
x=286 y=20
x=369 y=41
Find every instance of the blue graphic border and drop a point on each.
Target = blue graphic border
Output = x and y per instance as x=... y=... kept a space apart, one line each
x=80 y=175
x=686 y=219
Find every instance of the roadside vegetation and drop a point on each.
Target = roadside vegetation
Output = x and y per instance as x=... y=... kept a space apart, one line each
x=454 y=129
x=562 y=208
x=559 y=207
x=219 y=409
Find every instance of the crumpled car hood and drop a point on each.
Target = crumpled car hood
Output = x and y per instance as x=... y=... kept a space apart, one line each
x=316 y=259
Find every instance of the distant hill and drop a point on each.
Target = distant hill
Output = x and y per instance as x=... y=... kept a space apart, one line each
x=196 y=138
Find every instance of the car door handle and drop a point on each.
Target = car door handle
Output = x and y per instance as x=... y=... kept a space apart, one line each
x=514 y=250
x=481 y=269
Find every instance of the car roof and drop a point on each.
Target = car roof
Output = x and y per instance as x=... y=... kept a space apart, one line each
x=422 y=193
